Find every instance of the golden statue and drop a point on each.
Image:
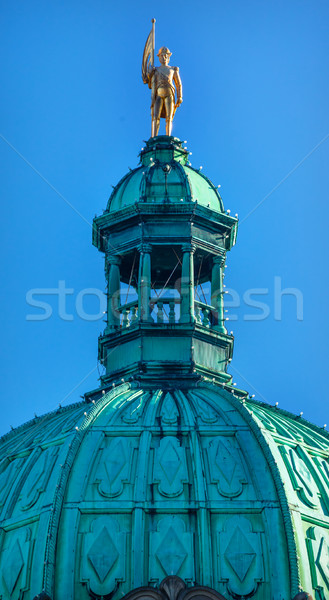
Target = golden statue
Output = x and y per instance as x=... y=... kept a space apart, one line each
x=161 y=81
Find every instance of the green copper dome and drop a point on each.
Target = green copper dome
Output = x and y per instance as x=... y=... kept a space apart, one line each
x=165 y=175
x=167 y=482
x=138 y=484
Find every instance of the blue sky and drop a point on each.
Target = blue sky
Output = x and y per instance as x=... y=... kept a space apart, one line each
x=74 y=114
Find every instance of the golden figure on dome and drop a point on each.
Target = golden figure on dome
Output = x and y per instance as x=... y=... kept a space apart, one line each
x=165 y=83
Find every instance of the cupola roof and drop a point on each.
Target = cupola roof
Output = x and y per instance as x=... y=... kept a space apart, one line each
x=165 y=175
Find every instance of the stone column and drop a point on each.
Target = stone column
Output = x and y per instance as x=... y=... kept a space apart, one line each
x=217 y=300
x=144 y=283
x=113 y=295
x=187 y=286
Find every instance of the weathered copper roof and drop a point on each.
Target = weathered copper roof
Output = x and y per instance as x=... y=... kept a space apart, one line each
x=205 y=483
x=165 y=175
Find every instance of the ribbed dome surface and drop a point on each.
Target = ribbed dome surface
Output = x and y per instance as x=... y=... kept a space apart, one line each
x=101 y=498
x=165 y=176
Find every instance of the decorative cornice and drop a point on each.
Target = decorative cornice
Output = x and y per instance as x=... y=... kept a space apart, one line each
x=156 y=240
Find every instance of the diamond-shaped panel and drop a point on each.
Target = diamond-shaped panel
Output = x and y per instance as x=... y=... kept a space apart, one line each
x=103 y=554
x=171 y=553
x=116 y=461
x=302 y=472
x=13 y=566
x=239 y=554
x=225 y=462
x=170 y=462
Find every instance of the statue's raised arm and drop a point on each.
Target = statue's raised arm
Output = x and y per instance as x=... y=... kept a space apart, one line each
x=165 y=83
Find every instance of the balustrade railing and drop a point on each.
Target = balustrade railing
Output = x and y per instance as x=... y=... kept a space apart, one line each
x=128 y=314
x=165 y=310
x=203 y=314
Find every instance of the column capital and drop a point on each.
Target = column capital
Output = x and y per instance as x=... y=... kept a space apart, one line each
x=113 y=259
x=145 y=248
x=188 y=247
x=219 y=260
